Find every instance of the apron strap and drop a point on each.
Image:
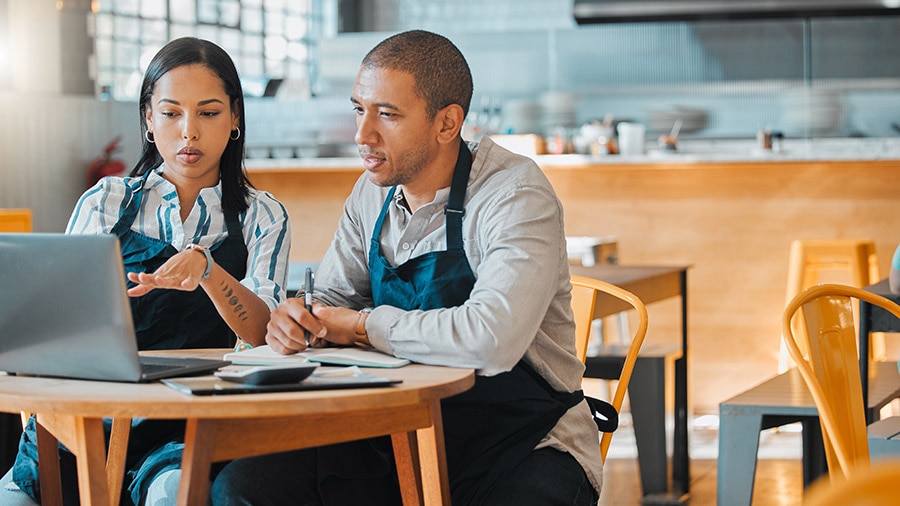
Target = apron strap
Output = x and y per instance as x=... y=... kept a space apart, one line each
x=604 y=414
x=454 y=210
x=130 y=210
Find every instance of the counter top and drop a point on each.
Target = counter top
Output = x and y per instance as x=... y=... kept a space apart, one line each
x=689 y=151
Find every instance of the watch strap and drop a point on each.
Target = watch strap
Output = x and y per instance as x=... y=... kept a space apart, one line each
x=362 y=337
x=209 y=259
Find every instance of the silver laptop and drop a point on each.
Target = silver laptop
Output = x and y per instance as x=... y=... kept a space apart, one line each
x=64 y=312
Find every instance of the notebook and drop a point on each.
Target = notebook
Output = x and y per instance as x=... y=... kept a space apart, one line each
x=264 y=355
x=64 y=312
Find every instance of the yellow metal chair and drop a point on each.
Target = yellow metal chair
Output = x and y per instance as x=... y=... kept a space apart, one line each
x=827 y=359
x=15 y=220
x=586 y=294
x=851 y=262
x=876 y=486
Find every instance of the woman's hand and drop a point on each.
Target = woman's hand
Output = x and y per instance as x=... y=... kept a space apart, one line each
x=180 y=272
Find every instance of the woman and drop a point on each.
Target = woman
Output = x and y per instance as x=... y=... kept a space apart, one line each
x=206 y=255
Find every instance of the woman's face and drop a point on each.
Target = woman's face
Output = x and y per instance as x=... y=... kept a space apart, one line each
x=191 y=120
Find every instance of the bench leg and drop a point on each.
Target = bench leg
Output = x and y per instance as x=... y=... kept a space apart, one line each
x=814 y=460
x=738 y=447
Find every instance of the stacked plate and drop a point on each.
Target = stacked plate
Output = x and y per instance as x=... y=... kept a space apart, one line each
x=662 y=120
x=521 y=117
x=557 y=110
x=812 y=112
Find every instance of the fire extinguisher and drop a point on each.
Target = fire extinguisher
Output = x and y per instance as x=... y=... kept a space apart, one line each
x=105 y=165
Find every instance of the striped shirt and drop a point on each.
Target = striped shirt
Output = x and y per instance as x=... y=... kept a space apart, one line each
x=265 y=226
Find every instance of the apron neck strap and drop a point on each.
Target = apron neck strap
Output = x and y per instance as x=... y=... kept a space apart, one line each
x=454 y=211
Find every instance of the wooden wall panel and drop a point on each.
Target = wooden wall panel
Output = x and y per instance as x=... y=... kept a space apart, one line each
x=314 y=201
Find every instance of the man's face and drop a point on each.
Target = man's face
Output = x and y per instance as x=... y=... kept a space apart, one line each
x=396 y=139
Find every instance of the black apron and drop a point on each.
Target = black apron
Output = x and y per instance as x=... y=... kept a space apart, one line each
x=163 y=319
x=491 y=428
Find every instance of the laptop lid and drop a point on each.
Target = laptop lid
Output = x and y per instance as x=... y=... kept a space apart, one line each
x=64 y=310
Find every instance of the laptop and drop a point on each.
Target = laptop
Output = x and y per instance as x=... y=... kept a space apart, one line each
x=64 y=312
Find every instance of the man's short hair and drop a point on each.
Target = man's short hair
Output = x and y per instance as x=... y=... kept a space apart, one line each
x=439 y=69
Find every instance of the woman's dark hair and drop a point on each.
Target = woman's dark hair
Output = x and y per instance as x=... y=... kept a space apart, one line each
x=193 y=51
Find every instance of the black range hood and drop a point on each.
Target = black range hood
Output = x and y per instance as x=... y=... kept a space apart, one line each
x=625 y=11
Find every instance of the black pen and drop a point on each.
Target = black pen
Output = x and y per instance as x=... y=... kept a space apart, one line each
x=308 y=298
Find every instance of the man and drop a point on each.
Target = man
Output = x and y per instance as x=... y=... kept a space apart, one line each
x=445 y=256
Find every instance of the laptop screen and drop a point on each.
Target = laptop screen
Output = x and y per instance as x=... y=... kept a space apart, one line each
x=63 y=308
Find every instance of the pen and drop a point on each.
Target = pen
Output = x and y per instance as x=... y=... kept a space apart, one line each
x=308 y=298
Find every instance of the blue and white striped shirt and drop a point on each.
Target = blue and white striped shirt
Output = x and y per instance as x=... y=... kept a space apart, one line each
x=265 y=225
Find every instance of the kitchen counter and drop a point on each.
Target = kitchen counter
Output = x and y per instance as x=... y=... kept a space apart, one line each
x=689 y=151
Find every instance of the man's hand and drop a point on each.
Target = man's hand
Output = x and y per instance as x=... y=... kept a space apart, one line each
x=287 y=323
x=328 y=325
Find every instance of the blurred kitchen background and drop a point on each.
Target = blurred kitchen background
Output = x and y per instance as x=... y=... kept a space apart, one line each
x=70 y=72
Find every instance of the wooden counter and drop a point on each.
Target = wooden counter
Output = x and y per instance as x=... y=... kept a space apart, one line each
x=732 y=221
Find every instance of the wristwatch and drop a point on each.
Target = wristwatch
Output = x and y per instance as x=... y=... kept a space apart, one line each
x=209 y=259
x=362 y=337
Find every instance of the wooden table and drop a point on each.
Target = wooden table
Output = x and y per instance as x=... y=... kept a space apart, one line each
x=647 y=387
x=230 y=426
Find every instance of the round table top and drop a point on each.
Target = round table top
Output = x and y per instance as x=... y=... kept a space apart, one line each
x=420 y=383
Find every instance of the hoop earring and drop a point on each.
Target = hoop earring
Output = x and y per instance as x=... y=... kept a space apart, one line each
x=150 y=137
x=234 y=136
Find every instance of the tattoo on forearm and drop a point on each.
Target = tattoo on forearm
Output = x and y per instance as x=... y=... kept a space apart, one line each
x=234 y=302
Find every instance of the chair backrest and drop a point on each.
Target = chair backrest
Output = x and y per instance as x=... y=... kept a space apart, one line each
x=810 y=258
x=848 y=261
x=827 y=358
x=15 y=220
x=587 y=293
x=876 y=486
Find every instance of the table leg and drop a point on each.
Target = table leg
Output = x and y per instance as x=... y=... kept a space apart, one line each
x=199 y=439
x=433 y=460
x=92 y=485
x=681 y=474
x=48 y=456
x=115 y=458
x=406 y=455
x=680 y=458
x=738 y=446
x=82 y=436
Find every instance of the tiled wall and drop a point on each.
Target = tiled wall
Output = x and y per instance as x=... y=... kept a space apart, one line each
x=824 y=77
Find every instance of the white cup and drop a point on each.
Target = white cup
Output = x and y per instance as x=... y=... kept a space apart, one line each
x=631 y=138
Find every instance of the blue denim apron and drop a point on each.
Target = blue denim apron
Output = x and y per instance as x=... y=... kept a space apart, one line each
x=174 y=319
x=489 y=429
x=163 y=319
